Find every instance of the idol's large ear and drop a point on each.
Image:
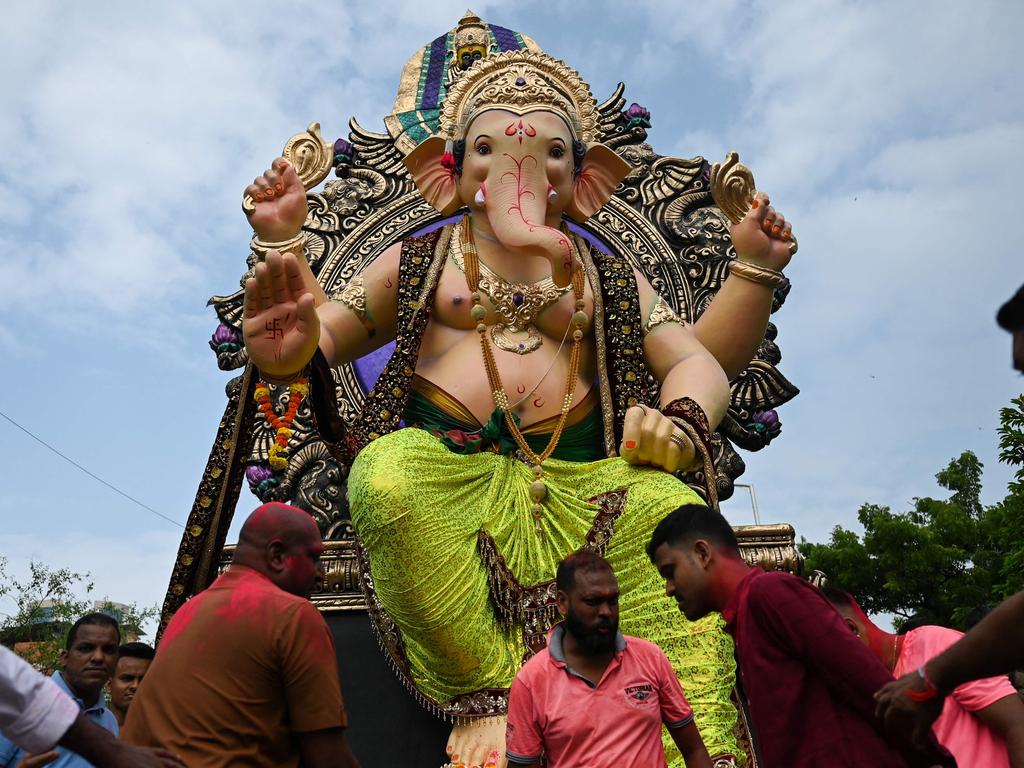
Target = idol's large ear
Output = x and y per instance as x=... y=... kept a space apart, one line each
x=435 y=181
x=601 y=172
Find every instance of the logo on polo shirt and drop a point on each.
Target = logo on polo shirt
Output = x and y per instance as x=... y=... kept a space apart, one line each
x=640 y=692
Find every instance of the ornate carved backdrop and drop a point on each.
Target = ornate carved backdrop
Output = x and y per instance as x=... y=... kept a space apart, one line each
x=662 y=218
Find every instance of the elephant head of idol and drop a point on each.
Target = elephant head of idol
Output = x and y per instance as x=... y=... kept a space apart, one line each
x=518 y=145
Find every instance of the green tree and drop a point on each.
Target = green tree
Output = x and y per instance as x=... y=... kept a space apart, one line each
x=36 y=612
x=1011 y=439
x=943 y=557
x=1006 y=532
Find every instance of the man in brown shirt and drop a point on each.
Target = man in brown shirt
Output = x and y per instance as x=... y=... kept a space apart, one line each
x=246 y=673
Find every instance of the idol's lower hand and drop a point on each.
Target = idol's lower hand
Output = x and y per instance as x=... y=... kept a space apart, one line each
x=649 y=437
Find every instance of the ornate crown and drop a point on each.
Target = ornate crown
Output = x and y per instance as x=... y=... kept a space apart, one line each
x=521 y=82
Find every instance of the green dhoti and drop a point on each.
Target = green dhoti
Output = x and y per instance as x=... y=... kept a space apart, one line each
x=422 y=513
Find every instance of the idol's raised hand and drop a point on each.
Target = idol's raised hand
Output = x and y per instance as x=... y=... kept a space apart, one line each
x=279 y=324
x=279 y=201
x=763 y=236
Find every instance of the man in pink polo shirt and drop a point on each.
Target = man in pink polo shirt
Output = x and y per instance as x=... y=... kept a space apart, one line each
x=982 y=721
x=594 y=697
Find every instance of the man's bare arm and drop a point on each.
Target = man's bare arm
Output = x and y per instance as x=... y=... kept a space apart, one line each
x=691 y=745
x=995 y=646
x=99 y=747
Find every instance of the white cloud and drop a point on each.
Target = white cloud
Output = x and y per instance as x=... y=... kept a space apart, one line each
x=890 y=133
x=887 y=133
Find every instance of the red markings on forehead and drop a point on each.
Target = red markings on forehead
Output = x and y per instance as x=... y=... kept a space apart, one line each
x=520 y=130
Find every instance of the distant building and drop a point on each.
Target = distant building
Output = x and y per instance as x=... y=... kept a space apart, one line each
x=48 y=625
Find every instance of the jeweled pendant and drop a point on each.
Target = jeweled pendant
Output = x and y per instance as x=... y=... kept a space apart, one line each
x=503 y=338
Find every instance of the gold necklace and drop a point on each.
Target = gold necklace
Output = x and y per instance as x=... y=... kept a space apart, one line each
x=538 y=488
x=516 y=304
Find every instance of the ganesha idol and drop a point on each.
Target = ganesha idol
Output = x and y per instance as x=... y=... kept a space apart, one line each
x=541 y=396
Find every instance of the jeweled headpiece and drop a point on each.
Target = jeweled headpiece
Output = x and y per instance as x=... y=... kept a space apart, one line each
x=520 y=82
x=470 y=40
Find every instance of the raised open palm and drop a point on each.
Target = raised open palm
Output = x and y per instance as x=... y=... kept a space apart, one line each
x=280 y=325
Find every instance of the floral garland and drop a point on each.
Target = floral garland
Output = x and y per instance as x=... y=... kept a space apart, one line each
x=298 y=389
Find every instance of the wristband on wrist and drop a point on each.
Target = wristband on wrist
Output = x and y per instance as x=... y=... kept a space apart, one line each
x=755 y=273
x=687 y=414
x=295 y=245
x=930 y=692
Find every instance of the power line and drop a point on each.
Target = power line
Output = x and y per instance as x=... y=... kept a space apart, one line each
x=95 y=477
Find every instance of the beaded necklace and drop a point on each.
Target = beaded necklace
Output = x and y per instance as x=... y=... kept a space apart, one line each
x=538 y=488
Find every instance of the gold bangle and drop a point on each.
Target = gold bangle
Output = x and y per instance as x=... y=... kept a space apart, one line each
x=755 y=273
x=295 y=245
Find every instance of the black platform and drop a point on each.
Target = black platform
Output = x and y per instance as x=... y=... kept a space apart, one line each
x=386 y=725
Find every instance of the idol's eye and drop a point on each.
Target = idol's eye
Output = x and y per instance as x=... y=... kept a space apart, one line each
x=557 y=153
x=483 y=149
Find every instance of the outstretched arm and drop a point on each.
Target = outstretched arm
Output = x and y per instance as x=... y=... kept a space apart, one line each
x=100 y=747
x=994 y=646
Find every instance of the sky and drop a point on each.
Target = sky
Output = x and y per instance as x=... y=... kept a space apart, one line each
x=890 y=133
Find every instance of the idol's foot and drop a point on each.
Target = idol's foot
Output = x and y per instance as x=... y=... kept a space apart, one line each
x=478 y=744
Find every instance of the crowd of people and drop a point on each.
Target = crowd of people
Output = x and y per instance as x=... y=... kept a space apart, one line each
x=247 y=674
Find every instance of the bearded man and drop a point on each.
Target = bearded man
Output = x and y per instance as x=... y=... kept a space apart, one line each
x=594 y=696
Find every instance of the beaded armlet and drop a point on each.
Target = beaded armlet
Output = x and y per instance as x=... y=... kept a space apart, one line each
x=686 y=414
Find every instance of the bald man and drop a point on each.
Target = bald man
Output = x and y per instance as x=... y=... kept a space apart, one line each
x=246 y=673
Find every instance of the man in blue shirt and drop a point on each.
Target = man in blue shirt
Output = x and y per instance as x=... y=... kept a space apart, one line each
x=87 y=662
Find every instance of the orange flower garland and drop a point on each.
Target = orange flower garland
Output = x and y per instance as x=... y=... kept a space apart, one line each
x=298 y=389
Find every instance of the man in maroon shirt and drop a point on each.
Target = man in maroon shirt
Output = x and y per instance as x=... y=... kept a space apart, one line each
x=808 y=682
